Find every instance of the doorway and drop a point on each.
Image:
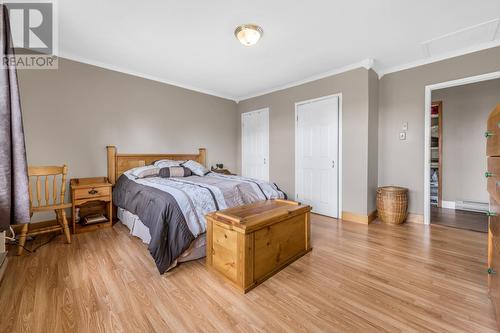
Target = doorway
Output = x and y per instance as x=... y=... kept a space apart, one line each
x=317 y=136
x=427 y=130
x=255 y=144
x=458 y=186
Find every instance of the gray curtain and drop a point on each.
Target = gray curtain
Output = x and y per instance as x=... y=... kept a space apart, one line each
x=14 y=197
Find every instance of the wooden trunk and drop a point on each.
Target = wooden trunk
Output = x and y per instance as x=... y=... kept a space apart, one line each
x=493 y=175
x=250 y=243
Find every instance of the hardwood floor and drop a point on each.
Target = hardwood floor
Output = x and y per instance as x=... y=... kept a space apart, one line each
x=459 y=219
x=408 y=278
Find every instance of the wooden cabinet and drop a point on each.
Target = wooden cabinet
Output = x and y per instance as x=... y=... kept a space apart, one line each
x=250 y=243
x=493 y=174
x=492 y=133
x=91 y=196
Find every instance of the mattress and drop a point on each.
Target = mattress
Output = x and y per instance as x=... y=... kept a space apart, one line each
x=196 y=250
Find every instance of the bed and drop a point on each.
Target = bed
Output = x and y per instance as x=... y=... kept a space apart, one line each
x=169 y=213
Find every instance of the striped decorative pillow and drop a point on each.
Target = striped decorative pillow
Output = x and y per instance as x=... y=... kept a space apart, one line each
x=174 y=171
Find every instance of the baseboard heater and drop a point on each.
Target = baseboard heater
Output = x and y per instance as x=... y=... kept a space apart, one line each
x=472 y=206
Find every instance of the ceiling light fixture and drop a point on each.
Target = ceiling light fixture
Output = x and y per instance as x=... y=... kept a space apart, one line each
x=248 y=34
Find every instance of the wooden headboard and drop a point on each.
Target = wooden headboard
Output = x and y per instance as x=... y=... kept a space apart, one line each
x=119 y=163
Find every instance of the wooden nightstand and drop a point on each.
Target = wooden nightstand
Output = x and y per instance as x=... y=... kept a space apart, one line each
x=91 y=196
x=223 y=171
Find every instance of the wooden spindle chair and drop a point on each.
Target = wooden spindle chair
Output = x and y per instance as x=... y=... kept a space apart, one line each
x=42 y=201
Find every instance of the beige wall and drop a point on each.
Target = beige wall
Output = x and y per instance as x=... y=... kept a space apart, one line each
x=354 y=88
x=72 y=113
x=401 y=98
x=465 y=112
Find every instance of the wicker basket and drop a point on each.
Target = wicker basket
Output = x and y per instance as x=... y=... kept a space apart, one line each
x=392 y=204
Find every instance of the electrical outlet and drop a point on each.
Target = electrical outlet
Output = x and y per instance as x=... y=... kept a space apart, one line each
x=402 y=136
x=405 y=126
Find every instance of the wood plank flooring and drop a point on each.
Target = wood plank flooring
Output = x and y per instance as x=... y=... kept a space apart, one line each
x=459 y=219
x=358 y=278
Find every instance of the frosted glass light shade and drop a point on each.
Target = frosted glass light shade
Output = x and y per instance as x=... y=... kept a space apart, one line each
x=248 y=34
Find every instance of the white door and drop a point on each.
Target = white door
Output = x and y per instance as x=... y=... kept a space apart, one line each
x=317 y=155
x=255 y=144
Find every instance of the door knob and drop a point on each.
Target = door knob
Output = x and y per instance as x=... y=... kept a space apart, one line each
x=333 y=164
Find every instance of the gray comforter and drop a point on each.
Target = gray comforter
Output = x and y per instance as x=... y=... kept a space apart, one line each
x=159 y=211
x=174 y=208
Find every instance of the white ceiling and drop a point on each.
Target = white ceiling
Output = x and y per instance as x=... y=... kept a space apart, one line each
x=190 y=43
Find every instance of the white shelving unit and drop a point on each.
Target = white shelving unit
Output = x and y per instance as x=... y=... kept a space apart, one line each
x=436 y=153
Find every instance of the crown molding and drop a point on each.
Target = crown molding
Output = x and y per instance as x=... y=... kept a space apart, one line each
x=365 y=63
x=448 y=55
x=114 y=68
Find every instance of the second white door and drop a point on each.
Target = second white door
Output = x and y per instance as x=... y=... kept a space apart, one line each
x=255 y=144
x=317 y=155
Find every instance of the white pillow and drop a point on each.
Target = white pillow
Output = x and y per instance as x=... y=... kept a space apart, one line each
x=196 y=168
x=167 y=163
x=144 y=171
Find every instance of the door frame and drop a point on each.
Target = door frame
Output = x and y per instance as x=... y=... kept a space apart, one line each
x=268 y=146
x=427 y=130
x=339 y=148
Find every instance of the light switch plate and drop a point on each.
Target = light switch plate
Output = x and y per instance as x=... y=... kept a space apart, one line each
x=402 y=136
x=405 y=126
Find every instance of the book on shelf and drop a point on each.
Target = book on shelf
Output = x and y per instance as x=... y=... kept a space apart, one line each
x=94 y=218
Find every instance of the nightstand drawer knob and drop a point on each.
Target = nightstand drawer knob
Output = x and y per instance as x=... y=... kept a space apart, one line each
x=92 y=191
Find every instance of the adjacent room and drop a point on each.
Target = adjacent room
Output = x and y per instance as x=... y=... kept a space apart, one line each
x=459 y=114
x=268 y=166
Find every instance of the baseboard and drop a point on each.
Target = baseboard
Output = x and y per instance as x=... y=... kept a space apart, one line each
x=359 y=218
x=448 y=204
x=415 y=218
x=367 y=219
